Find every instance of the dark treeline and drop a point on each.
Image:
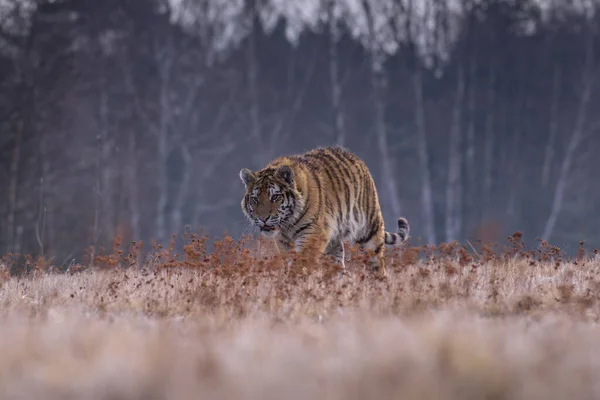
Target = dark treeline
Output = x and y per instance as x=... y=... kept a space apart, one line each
x=134 y=116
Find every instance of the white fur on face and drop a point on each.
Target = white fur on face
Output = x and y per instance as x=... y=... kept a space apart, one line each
x=270 y=234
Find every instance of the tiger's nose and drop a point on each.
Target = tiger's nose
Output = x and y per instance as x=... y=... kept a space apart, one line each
x=265 y=219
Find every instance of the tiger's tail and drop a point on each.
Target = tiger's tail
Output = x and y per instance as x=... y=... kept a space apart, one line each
x=400 y=235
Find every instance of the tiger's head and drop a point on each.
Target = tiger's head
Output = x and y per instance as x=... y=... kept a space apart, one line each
x=270 y=199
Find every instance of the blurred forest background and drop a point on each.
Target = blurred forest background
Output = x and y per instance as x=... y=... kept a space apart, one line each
x=477 y=118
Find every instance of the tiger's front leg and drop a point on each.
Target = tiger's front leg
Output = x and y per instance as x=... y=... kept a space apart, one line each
x=284 y=246
x=310 y=247
x=335 y=249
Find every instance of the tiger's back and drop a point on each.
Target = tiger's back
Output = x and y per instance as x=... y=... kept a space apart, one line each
x=333 y=199
x=351 y=205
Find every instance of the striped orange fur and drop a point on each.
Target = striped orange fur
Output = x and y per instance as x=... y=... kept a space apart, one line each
x=313 y=202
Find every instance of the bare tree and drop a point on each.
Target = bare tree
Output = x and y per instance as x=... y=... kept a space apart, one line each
x=158 y=119
x=426 y=189
x=513 y=172
x=206 y=159
x=271 y=131
x=22 y=45
x=15 y=161
x=132 y=186
x=587 y=84
x=292 y=102
x=105 y=162
x=165 y=57
x=44 y=225
x=30 y=110
x=253 y=85
x=471 y=146
x=404 y=38
x=488 y=146
x=334 y=75
x=380 y=86
x=553 y=126
x=454 y=185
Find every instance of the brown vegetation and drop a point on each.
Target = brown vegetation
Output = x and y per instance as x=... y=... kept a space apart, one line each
x=228 y=320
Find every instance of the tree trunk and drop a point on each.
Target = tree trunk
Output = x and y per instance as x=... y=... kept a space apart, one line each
x=132 y=186
x=334 y=78
x=512 y=160
x=163 y=184
x=379 y=83
x=454 y=185
x=254 y=95
x=488 y=150
x=471 y=144
x=576 y=136
x=106 y=181
x=182 y=192
x=553 y=127
x=41 y=224
x=470 y=184
x=164 y=60
x=12 y=189
x=379 y=87
x=426 y=189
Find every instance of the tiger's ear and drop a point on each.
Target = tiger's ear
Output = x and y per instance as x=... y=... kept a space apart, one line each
x=286 y=173
x=247 y=177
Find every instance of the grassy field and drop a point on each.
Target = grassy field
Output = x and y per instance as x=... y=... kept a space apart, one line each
x=446 y=323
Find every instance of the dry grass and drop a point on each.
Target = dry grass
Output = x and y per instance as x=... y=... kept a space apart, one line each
x=445 y=324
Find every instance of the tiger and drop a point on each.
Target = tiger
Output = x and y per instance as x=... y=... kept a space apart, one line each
x=315 y=201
